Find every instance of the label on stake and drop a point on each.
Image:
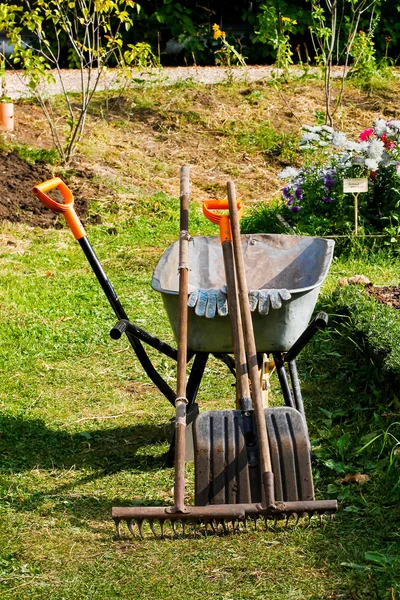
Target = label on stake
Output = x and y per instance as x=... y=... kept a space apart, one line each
x=355 y=186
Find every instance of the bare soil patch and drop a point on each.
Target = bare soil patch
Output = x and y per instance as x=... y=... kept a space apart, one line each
x=389 y=295
x=17 y=203
x=246 y=132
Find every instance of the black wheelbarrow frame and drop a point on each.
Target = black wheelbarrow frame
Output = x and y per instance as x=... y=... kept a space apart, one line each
x=138 y=336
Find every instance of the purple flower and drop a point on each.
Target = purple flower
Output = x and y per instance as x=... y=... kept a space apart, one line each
x=328 y=181
x=379 y=215
x=327 y=200
x=298 y=193
x=295 y=209
x=289 y=202
x=287 y=192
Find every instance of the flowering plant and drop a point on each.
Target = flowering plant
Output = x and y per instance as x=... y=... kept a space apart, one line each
x=314 y=194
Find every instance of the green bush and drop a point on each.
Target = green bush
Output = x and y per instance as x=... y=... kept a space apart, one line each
x=374 y=330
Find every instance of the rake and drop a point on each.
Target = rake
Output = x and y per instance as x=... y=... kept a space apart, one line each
x=232 y=447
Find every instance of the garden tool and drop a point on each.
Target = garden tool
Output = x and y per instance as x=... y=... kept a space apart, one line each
x=287 y=485
x=243 y=390
x=134 y=333
x=229 y=444
x=228 y=485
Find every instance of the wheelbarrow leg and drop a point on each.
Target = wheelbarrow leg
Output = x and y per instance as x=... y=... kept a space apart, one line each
x=283 y=380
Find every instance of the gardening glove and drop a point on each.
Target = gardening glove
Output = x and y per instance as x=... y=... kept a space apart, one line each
x=208 y=303
x=266 y=299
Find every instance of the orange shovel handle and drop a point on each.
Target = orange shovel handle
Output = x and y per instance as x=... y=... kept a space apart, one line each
x=221 y=220
x=67 y=208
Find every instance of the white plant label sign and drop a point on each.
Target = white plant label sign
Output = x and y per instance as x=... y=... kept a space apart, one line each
x=355 y=186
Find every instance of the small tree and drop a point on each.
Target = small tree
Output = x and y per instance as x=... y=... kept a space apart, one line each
x=334 y=28
x=91 y=30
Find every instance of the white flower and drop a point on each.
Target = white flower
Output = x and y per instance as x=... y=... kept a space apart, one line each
x=364 y=146
x=339 y=139
x=288 y=172
x=398 y=169
x=322 y=143
x=310 y=137
x=387 y=160
x=327 y=129
x=308 y=128
x=371 y=164
x=380 y=127
x=356 y=146
x=375 y=149
x=395 y=124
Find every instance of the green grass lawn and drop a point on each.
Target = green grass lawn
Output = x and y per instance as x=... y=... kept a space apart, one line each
x=83 y=429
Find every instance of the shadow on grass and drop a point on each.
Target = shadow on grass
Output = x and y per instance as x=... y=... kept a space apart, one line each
x=29 y=444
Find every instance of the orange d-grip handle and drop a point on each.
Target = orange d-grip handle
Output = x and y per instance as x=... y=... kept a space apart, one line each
x=221 y=220
x=67 y=208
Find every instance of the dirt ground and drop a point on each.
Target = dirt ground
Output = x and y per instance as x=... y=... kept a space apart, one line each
x=150 y=136
x=19 y=205
x=385 y=295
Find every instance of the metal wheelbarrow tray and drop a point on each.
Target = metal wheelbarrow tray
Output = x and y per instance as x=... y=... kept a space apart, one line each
x=273 y=262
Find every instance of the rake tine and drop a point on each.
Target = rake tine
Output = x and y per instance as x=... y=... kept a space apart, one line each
x=117 y=527
x=214 y=530
x=205 y=528
x=130 y=527
x=321 y=523
x=183 y=527
x=152 y=528
x=224 y=527
x=162 y=529
x=255 y=523
x=297 y=520
x=275 y=523
x=266 y=523
x=174 y=528
x=140 y=525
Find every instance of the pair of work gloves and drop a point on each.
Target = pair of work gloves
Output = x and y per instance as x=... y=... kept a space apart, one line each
x=208 y=303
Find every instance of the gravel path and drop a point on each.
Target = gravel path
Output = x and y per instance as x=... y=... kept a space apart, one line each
x=16 y=88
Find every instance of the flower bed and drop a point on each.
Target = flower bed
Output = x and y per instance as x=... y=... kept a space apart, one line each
x=313 y=199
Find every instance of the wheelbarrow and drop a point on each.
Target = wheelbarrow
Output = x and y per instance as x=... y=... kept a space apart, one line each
x=284 y=275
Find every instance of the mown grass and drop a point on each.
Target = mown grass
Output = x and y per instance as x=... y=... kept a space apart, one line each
x=82 y=429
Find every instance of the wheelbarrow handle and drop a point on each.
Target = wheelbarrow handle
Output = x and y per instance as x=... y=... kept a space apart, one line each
x=221 y=219
x=66 y=208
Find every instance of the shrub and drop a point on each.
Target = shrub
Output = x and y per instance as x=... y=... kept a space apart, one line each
x=374 y=329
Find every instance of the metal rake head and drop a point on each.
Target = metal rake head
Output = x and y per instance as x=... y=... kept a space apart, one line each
x=166 y=528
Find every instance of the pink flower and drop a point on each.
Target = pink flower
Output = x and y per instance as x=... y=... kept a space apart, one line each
x=389 y=144
x=366 y=134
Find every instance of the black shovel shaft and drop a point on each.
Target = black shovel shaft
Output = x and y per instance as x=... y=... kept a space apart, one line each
x=121 y=314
